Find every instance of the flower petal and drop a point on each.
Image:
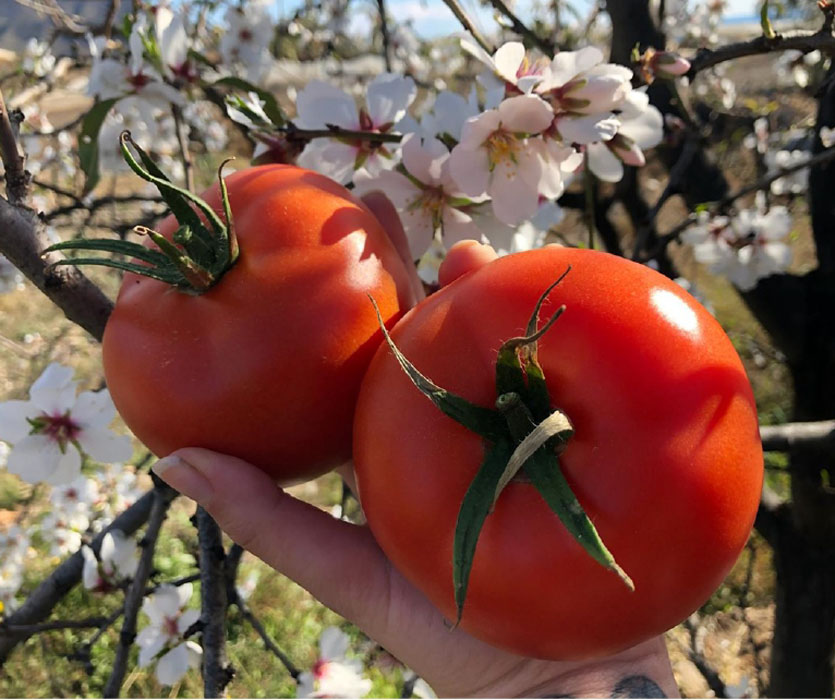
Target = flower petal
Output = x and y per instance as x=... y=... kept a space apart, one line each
x=333 y=644
x=187 y=619
x=320 y=103
x=103 y=445
x=526 y=113
x=173 y=665
x=151 y=641
x=68 y=468
x=507 y=60
x=604 y=163
x=388 y=97
x=54 y=391
x=94 y=408
x=35 y=458
x=13 y=423
x=470 y=169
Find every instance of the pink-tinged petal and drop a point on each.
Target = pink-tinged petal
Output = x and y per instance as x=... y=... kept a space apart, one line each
x=646 y=130
x=329 y=157
x=151 y=641
x=569 y=64
x=68 y=468
x=458 y=226
x=187 y=619
x=35 y=458
x=94 y=409
x=507 y=60
x=635 y=104
x=529 y=114
x=588 y=129
x=398 y=188
x=470 y=169
x=572 y=162
x=529 y=169
x=320 y=103
x=604 y=164
x=627 y=150
x=13 y=423
x=603 y=93
x=424 y=160
x=514 y=199
x=419 y=226
x=54 y=391
x=550 y=178
x=477 y=130
x=388 y=97
x=104 y=445
x=450 y=111
x=173 y=665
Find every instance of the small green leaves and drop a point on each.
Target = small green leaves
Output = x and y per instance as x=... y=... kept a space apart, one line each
x=482 y=421
x=271 y=108
x=88 y=142
x=474 y=510
x=765 y=22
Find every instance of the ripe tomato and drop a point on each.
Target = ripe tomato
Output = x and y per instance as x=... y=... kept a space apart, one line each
x=267 y=363
x=666 y=458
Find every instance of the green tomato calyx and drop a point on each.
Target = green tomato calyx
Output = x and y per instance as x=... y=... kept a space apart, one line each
x=523 y=432
x=199 y=253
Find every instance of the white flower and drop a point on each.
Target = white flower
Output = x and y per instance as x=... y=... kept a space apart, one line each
x=14 y=548
x=744 y=249
x=510 y=72
x=793 y=183
x=427 y=199
x=333 y=676
x=37 y=58
x=320 y=104
x=76 y=496
x=493 y=157
x=530 y=234
x=827 y=135
x=118 y=559
x=49 y=432
x=446 y=117
x=579 y=82
x=172 y=40
x=641 y=127
x=247 y=38
x=167 y=624
x=110 y=78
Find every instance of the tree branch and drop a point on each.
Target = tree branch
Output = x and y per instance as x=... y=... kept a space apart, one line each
x=547 y=47
x=29 y=630
x=781 y=438
x=467 y=23
x=162 y=496
x=17 y=179
x=213 y=595
x=821 y=40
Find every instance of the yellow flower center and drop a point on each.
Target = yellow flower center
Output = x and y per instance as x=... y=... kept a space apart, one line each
x=501 y=147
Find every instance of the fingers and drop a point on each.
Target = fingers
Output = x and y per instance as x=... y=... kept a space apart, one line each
x=464 y=257
x=339 y=563
x=387 y=215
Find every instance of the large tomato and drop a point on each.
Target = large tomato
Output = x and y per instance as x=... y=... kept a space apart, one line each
x=267 y=363
x=666 y=458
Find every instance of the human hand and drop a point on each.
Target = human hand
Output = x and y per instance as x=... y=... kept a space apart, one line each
x=341 y=565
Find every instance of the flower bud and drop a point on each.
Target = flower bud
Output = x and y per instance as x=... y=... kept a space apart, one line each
x=627 y=150
x=667 y=65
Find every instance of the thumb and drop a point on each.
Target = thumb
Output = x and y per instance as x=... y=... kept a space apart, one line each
x=337 y=562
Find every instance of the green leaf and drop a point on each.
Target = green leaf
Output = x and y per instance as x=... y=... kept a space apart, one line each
x=482 y=421
x=108 y=245
x=765 y=22
x=170 y=277
x=88 y=142
x=544 y=471
x=271 y=108
x=474 y=510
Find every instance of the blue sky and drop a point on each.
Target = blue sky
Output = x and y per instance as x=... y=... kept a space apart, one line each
x=433 y=18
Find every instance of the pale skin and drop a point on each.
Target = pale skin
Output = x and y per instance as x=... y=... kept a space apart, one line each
x=342 y=566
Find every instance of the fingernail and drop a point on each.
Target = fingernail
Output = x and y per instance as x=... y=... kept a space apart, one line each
x=184 y=477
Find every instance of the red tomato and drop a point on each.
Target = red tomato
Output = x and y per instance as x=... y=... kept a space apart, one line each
x=265 y=365
x=666 y=458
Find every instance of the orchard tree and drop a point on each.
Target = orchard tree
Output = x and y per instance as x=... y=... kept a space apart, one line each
x=495 y=136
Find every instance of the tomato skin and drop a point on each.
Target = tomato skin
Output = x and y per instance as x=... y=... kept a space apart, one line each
x=666 y=458
x=265 y=365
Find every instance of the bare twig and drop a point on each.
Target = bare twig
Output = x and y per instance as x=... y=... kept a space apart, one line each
x=29 y=630
x=182 y=140
x=46 y=596
x=162 y=497
x=17 y=179
x=696 y=654
x=547 y=47
x=780 y=438
x=213 y=596
x=468 y=24
x=268 y=642
x=821 y=40
x=384 y=31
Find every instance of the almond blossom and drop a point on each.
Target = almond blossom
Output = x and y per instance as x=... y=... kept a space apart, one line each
x=333 y=676
x=493 y=157
x=745 y=248
x=320 y=105
x=246 y=41
x=118 y=559
x=168 y=622
x=49 y=432
x=426 y=197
